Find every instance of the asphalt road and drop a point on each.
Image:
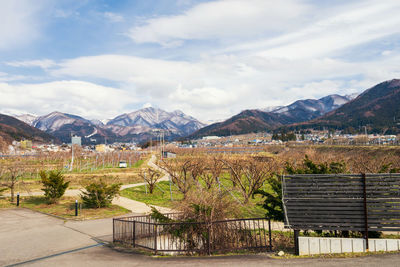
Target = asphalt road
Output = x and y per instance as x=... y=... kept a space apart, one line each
x=29 y=238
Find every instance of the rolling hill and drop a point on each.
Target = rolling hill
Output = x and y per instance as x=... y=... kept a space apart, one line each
x=377 y=109
x=248 y=121
x=14 y=129
x=251 y=121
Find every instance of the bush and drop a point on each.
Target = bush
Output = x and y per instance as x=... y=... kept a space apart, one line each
x=195 y=223
x=99 y=195
x=310 y=167
x=273 y=200
x=54 y=185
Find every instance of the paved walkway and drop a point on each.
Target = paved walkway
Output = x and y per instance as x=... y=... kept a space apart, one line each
x=132 y=205
x=29 y=238
x=136 y=206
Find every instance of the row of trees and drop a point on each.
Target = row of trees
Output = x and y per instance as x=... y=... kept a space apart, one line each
x=83 y=160
x=247 y=175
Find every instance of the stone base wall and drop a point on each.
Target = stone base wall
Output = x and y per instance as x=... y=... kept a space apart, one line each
x=328 y=245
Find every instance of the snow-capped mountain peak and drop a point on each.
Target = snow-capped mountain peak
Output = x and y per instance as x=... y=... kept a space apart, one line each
x=175 y=121
x=27 y=118
x=307 y=109
x=55 y=120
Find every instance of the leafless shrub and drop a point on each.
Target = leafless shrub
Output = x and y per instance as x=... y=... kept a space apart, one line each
x=10 y=176
x=180 y=172
x=248 y=175
x=151 y=177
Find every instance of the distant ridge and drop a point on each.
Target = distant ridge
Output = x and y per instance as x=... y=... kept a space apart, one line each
x=177 y=122
x=13 y=129
x=251 y=121
x=377 y=108
x=137 y=126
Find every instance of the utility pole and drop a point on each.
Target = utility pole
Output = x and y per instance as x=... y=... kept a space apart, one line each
x=72 y=155
x=162 y=144
x=366 y=134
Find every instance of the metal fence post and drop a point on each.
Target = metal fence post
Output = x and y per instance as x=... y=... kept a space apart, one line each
x=155 y=238
x=296 y=241
x=134 y=233
x=270 y=234
x=365 y=211
x=113 y=230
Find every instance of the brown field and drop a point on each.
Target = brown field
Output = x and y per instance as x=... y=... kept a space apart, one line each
x=86 y=167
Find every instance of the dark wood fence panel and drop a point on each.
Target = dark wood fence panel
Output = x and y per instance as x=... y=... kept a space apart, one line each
x=339 y=202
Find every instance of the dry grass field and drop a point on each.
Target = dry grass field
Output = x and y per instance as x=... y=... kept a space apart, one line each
x=86 y=167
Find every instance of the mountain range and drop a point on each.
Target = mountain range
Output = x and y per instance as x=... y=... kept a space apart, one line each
x=13 y=129
x=376 y=109
x=136 y=126
x=270 y=118
x=308 y=109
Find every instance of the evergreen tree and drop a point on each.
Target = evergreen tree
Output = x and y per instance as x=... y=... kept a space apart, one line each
x=53 y=185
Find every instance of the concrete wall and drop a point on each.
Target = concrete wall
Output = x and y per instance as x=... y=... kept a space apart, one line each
x=328 y=245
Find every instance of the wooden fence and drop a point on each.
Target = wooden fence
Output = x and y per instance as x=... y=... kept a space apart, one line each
x=356 y=202
x=349 y=202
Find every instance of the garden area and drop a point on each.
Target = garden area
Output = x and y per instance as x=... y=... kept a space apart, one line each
x=84 y=167
x=43 y=191
x=209 y=188
x=242 y=191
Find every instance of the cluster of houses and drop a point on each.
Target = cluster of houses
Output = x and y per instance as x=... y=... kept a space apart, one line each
x=255 y=139
x=315 y=137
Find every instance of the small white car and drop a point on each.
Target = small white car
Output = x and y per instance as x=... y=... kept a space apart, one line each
x=122 y=164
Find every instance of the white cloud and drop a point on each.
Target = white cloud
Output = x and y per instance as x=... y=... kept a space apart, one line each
x=6 y=77
x=44 y=63
x=224 y=19
x=19 y=22
x=386 y=52
x=220 y=86
x=361 y=24
x=113 y=17
x=147 y=105
x=76 y=97
x=204 y=98
x=281 y=52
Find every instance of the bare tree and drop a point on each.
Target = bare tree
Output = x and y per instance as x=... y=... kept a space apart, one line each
x=248 y=175
x=212 y=168
x=3 y=145
x=180 y=172
x=151 y=177
x=10 y=176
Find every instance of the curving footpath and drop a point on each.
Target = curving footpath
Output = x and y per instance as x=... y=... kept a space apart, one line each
x=132 y=205
x=136 y=206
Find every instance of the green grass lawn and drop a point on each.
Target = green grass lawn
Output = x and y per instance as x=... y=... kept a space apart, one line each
x=160 y=197
x=5 y=203
x=138 y=163
x=66 y=208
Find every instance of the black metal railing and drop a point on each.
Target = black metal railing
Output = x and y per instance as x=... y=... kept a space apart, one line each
x=193 y=237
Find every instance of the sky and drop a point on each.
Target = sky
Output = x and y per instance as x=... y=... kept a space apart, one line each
x=210 y=59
